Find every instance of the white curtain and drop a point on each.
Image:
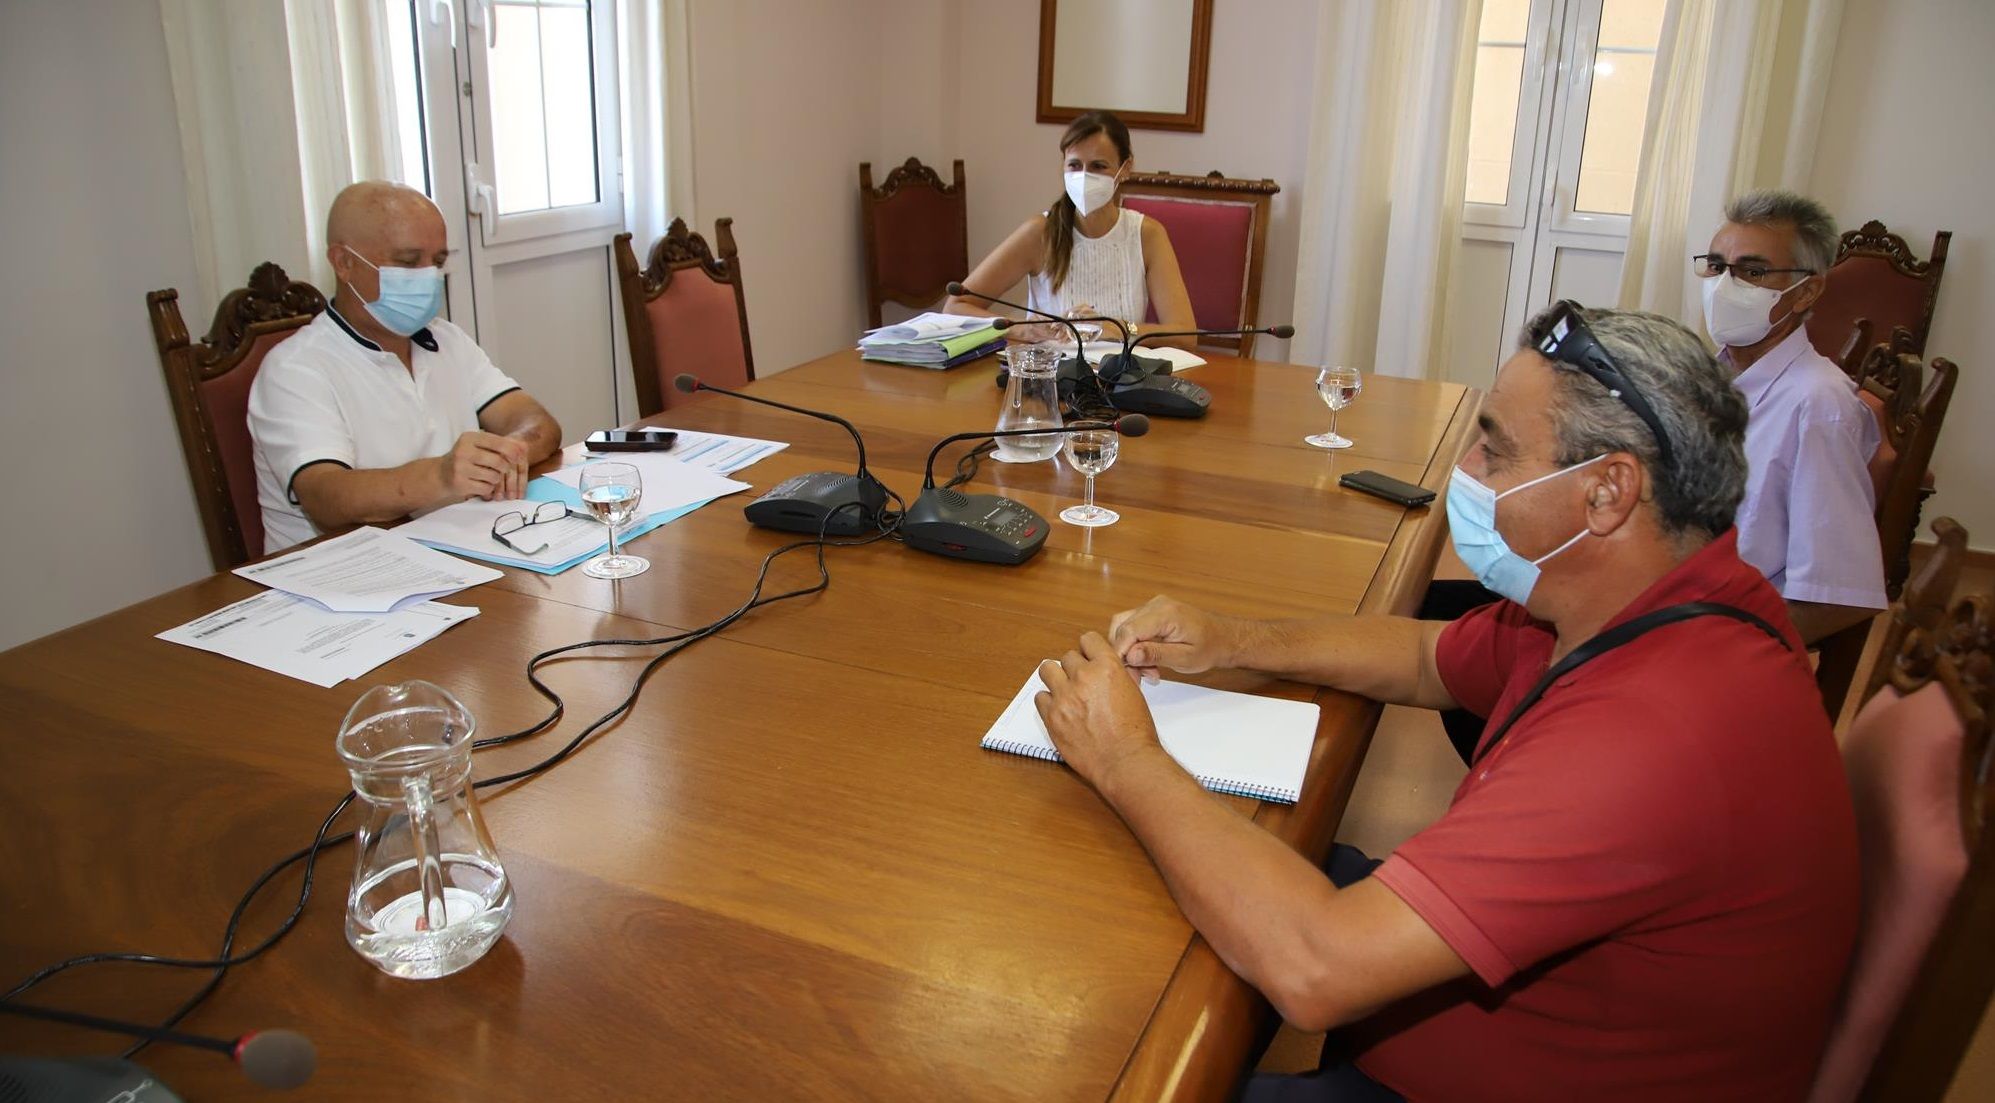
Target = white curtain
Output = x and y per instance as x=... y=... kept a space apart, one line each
x=656 y=75
x=1737 y=105
x=1381 y=209
x=280 y=106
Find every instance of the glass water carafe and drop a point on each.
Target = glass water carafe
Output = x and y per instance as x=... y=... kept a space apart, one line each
x=429 y=896
x=1031 y=401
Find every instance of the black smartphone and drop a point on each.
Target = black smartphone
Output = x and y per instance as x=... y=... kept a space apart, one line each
x=1387 y=487
x=630 y=440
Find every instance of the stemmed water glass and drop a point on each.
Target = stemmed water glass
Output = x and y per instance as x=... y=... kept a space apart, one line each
x=1338 y=386
x=1091 y=452
x=612 y=492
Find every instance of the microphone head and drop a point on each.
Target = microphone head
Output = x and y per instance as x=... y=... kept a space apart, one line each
x=1132 y=425
x=1282 y=331
x=277 y=1058
x=953 y=287
x=686 y=381
x=1001 y=323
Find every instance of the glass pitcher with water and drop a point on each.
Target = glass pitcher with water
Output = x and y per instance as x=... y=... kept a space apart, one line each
x=429 y=896
x=1031 y=400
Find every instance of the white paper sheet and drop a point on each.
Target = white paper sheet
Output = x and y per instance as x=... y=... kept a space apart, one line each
x=468 y=525
x=713 y=451
x=367 y=570
x=299 y=639
x=932 y=326
x=668 y=483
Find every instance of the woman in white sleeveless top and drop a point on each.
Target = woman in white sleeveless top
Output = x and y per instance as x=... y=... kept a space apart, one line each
x=1086 y=255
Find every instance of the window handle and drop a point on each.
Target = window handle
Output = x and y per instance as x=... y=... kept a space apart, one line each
x=448 y=19
x=487 y=19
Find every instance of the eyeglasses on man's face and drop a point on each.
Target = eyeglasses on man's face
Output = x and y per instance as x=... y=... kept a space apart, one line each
x=1755 y=272
x=506 y=524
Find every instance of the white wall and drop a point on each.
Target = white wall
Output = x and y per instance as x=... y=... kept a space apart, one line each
x=789 y=98
x=1905 y=140
x=93 y=214
x=1257 y=113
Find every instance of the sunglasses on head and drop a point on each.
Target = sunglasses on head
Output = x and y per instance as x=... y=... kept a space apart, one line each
x=1564 y=339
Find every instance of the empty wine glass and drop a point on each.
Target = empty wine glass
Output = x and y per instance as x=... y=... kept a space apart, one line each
x=1338 y=386
x=612 y=491
x=1091 y=452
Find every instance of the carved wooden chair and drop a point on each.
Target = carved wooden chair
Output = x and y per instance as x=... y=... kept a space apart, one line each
x=209 y=383
x=1877 y=277
x=1855 y=347
x=1219 y=230
x=1910 y=409
x=917 y=232
x=686 y=312
x=1919 y=758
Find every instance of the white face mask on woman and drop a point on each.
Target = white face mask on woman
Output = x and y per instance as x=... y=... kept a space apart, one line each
x=1090 y=191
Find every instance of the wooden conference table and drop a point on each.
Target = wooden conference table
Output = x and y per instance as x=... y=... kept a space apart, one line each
x=790 y=872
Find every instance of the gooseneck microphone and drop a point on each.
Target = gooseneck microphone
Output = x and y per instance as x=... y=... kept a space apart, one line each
x=268 y=1058
x=820 y=502
x=956 y=288
x=1146 y=384
x=1129 y=425
x=988 y=528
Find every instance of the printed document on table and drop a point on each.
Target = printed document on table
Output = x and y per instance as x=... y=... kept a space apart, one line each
x=299 y=639
x=465 y=528
x=668 y=483
x=713 y=451
x=367 y=570
x=932 y=326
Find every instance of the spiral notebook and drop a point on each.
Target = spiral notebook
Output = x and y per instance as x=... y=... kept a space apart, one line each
x=1231 y=742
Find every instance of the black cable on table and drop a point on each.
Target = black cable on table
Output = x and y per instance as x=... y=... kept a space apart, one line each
x=679 y=641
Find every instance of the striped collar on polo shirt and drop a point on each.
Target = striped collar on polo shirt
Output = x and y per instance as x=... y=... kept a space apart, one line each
x=421 y=337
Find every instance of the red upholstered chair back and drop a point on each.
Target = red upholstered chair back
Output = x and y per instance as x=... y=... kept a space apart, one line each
x=209 y=383
x=1876 y=277
x=686 y=312
x=1218 y=228
x=1918 y=757
x=917 y=233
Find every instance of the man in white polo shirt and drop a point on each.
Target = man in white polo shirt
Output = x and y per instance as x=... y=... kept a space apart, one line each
x=378 y=409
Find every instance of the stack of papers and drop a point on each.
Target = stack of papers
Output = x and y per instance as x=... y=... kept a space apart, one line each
x=672 y=489
x=1178 y=359
x=933 y=340
x=300 y=639
x=713 y=451
x=367 y=571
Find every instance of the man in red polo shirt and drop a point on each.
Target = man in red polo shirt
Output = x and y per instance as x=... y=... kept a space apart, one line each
x=1646 y=888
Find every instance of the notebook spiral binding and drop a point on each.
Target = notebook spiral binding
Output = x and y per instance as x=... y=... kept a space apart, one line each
x=1010 y=747
x=1239 y=789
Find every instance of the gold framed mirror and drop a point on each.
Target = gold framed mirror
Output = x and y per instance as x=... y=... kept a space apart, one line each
x=1145 y=60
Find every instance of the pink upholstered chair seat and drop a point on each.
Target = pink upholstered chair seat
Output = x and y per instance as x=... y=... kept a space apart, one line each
x=1213 y=239
x=1903 y=755
x=697 y=329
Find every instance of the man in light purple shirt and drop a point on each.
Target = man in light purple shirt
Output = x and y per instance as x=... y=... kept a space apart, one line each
x=1807 y=521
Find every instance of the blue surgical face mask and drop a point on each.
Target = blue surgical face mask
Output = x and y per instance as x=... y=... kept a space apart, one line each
x=411 y=298
x=1472 y=526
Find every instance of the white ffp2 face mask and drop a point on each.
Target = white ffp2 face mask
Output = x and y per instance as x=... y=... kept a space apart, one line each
x=1738 y=314
x=1090 y=191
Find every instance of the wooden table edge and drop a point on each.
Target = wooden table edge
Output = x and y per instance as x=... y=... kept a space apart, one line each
x=1207 y=1019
